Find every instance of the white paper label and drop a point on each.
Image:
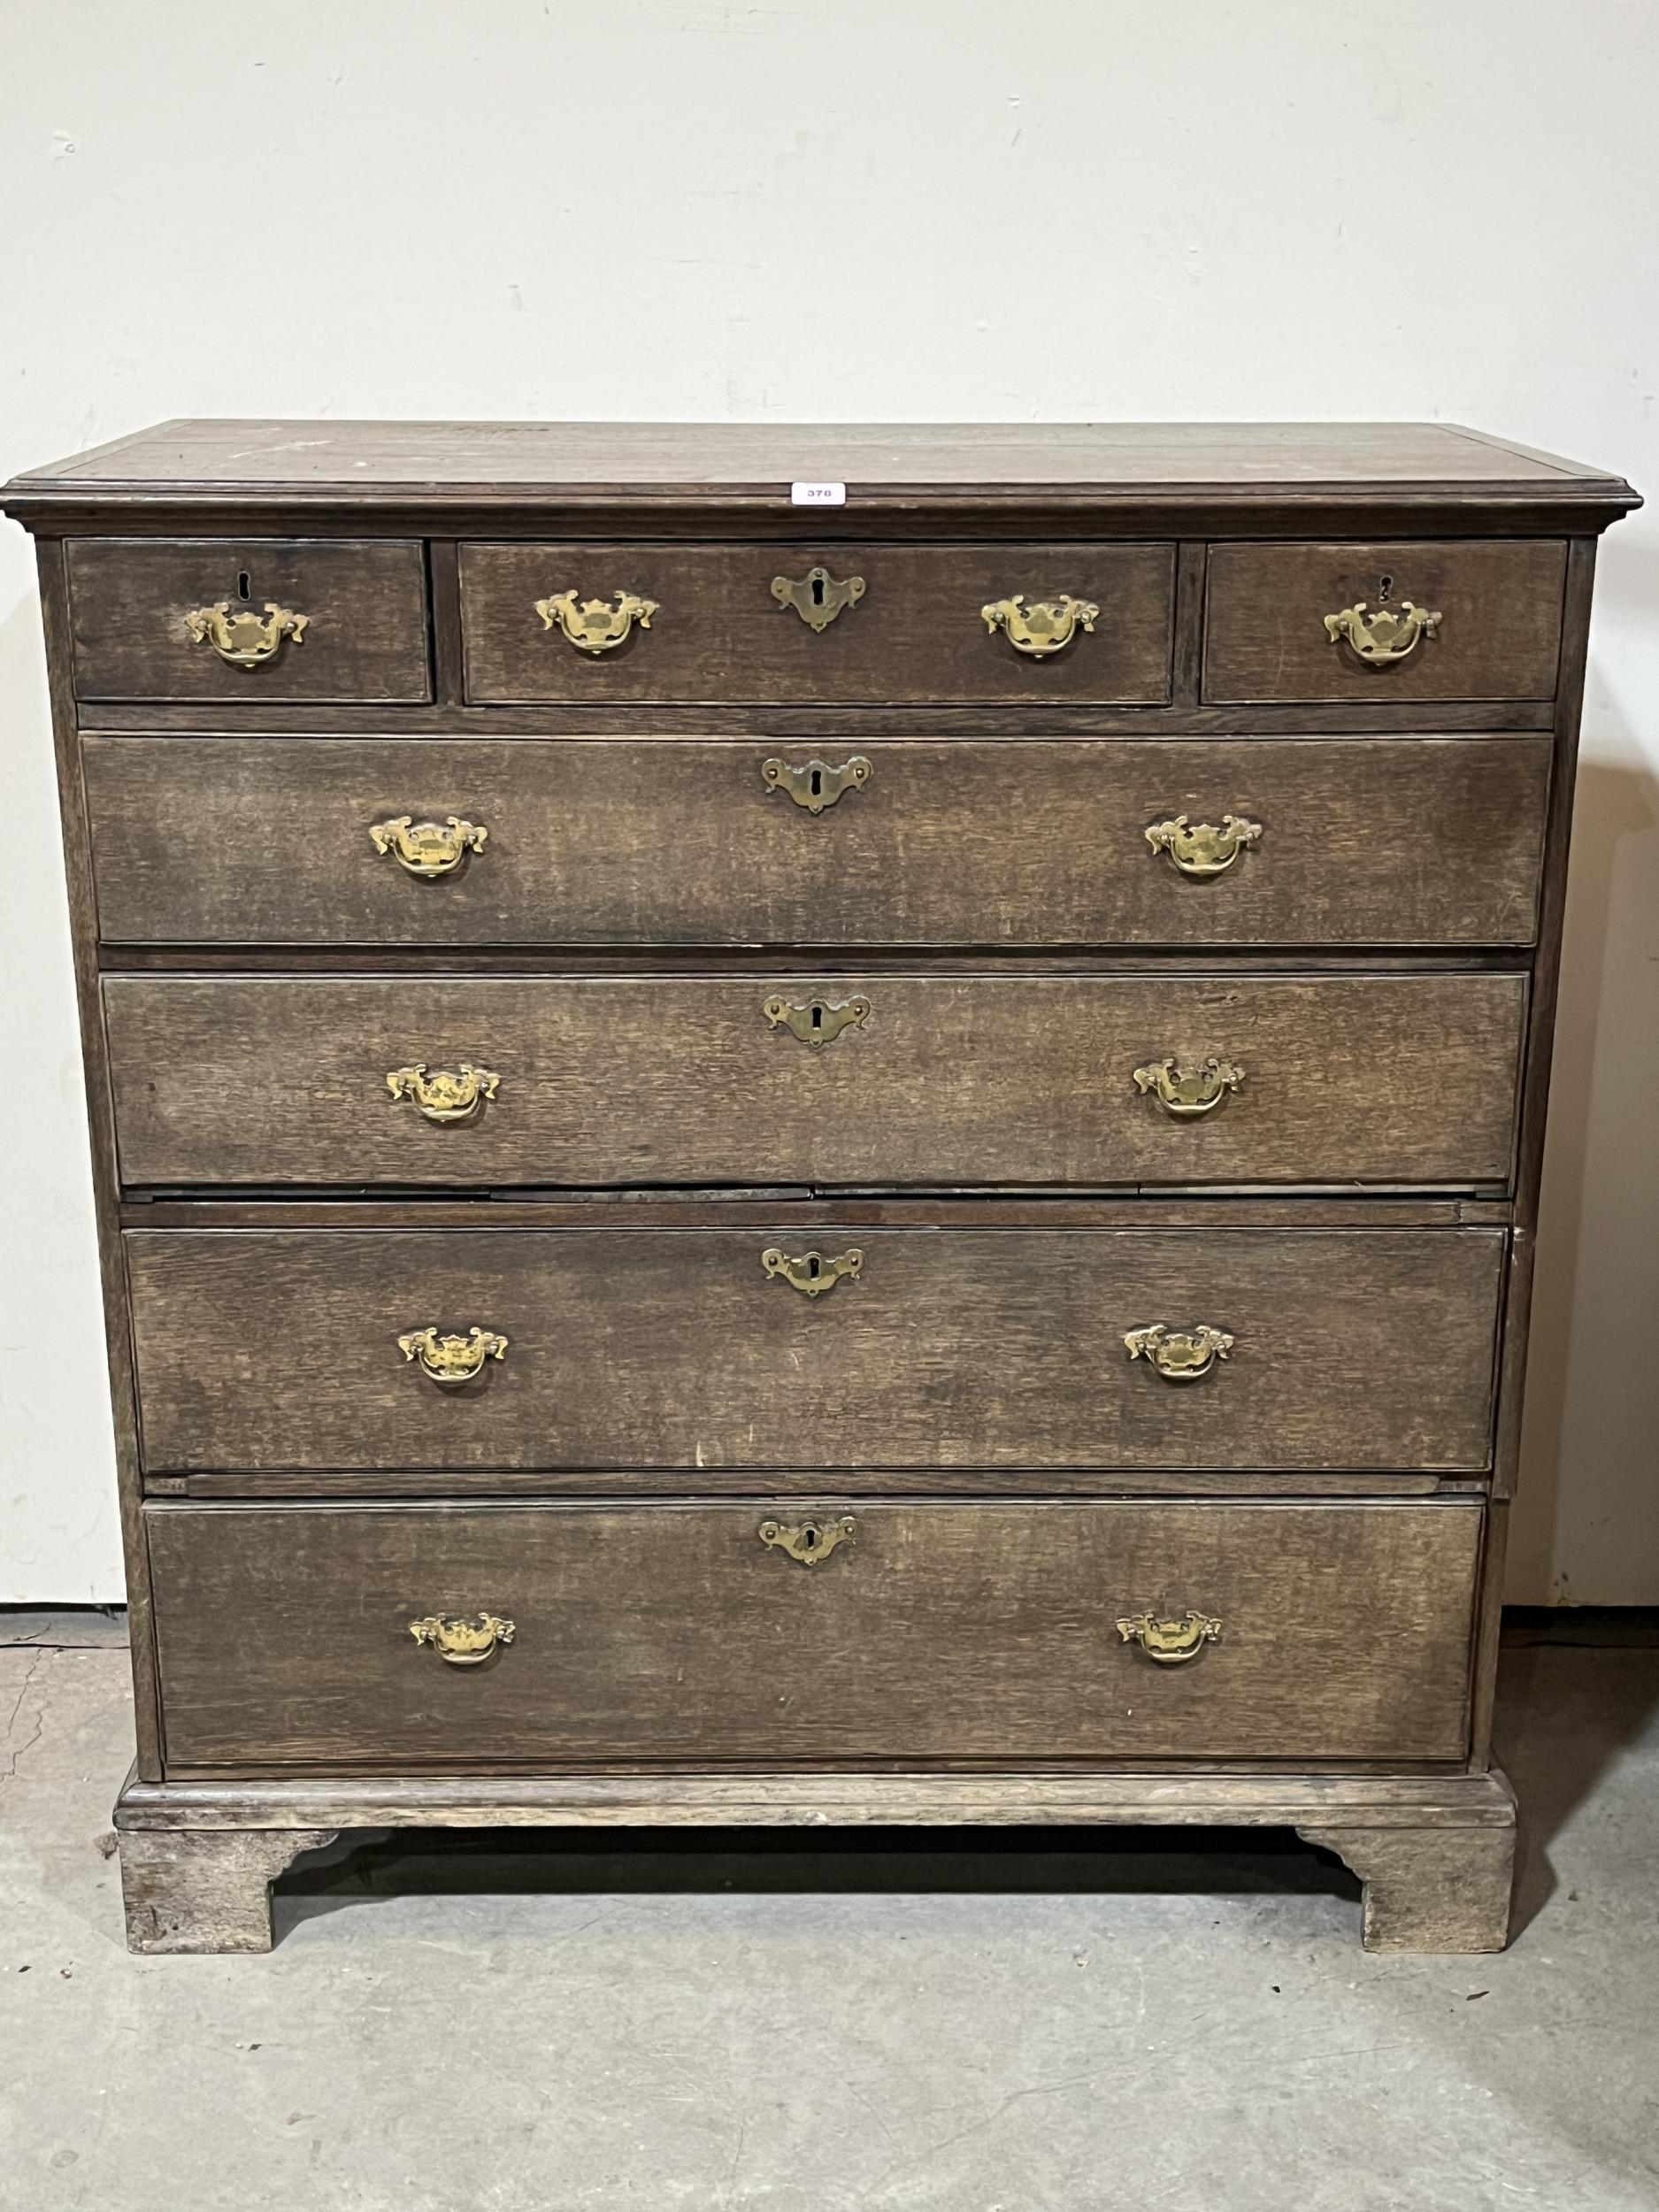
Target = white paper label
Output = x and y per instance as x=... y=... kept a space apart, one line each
x=817 y=494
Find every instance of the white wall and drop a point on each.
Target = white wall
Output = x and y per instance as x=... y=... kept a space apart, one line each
x=868 y=210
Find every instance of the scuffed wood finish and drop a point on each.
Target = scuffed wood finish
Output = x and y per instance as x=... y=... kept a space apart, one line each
x=935 y=458
x=365 y=637
x=935 y=1632
x=1498 y=637
x=1373 y=842
x=205 y=1890
x=1428 y=1889
x=1360 y=1216
x=100 y=1130
x=953 y=1350
x=768 y=1797
x=963 y=1080
x=1470 y=1816
x=718 y=634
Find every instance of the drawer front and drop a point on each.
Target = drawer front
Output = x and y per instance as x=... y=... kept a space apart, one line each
x=717 y=630
x=629 y=1348
x=887 y=842
x=845 y=1081
x=1497 y=637
x=984 y=1632
x=157 y=618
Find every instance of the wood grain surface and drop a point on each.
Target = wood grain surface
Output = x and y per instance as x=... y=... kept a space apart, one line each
x=951 y=1349
x=530 y=457
x=720 y=634
x=1498 y=636
x=936 y=1632
x=648 y=842
x=366 y=604
x=961 y=1080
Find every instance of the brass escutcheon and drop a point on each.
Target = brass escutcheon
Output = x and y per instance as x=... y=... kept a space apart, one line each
x=442 y=1096
x=428 y=849
x=1179 y=1356
x=815 y=784
x=817 y=597
x=1044 y=626
x=1171 y=1643
x=1201 y=849
x=808 y=1542
x=1186 y=1091
x=463 y=1643
x=452 y=1359
x=246 y=640
x=818 y=1021
x=1382 y=638
x=812 y=1272
x=595 y=626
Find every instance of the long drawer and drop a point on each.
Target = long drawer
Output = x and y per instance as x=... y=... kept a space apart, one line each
x=841 y=1081
x=613 y=1349
x=884 y=842
x=287 y=1635
x=1014 y=625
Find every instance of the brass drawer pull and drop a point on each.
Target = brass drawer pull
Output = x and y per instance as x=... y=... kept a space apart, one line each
x=442 y=1096
x=811 y=1271
x=817 y=597
x=594 y=627
x=1043 y=627
x=463 y=1643
x=819 y=1021
x=1201 y=849
x=1172 y=1643
x=1186 y=1091
x=1382 y=638
x=428 y=849
x=815 y=784
x=1179 y=1355
x=452 y=1359
x=808 y=1542
x=245 y=640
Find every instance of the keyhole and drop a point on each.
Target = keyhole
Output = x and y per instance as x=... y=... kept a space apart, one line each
x=816 y=783
x=818 y=590
x=809 y=1539
x=1385 y=585
x=242 y=591
x=813 y=1266
x=818 y=1023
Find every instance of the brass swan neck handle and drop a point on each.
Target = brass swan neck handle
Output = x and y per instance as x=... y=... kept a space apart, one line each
x=1180 y=1356
x=1044 y=627
x=1204 y=848
x=1383 y=638
x=244 y=639
x=1169 y=1643
x=463 y=1643
x=428 y=850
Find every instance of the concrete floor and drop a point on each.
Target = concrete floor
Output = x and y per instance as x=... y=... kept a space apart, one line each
x=805 y=2023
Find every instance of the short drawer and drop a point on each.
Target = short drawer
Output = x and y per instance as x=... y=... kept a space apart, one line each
x=881 y=842
x=846 y=1080
x=316 y=1637
x=1331 y=622
x=248 y=619
x=806 y=1349
x=725 y=623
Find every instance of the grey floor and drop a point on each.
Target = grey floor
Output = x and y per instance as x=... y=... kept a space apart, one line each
x=807 y=2024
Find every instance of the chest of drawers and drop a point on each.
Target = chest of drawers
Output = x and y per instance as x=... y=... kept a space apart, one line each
x=874 y=1165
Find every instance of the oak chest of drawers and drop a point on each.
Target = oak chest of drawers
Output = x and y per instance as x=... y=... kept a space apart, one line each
x=762 y=1162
